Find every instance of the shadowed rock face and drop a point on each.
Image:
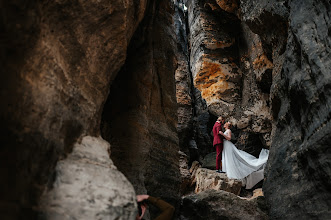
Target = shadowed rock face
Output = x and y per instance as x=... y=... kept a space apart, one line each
x=140 y=118
x=298 y=176
x=58 y=59
x=212 y=204
x=185 y=98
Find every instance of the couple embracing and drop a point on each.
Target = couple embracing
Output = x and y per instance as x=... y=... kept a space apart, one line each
x=237 y=164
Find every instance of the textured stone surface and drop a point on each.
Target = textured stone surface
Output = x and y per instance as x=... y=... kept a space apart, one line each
x=202 y=124
x=193 y=116
x=186 y=185
x=57 y=58
x=209 y=161
x=213 y=61
x=183 y=81
x=298 y=173
x=232 y=70
x=210 y=179
x=140 y=115
x=88 y=186
x=215 y=205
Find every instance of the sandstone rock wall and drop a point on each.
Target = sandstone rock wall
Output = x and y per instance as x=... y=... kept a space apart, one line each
x=140 y=116
x=232 y=71
x=185 y=98
x=59 y=59
x=265 y=65
x=298 y=34
x=194 y=120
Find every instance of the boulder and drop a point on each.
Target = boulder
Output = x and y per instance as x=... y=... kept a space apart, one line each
x=88 y=186
x=209 y=161
x=209 y=179
x=215 y=205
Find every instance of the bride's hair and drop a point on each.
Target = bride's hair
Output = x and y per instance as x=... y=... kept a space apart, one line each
x=229 y=125
x=220 y=118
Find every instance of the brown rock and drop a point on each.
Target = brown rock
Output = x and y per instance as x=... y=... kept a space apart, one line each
x=58 y=60
x=140 y=116
x=234 y=76
x=210 y=179
x=194 y=167
x=185 y=175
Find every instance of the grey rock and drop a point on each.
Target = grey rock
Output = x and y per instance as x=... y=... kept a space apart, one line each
x=298 y=35
x=88 y=186
x=209 y=161
x=215 y=205
x=209 y=179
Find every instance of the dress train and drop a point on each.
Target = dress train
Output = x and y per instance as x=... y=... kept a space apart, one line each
x=241 y=165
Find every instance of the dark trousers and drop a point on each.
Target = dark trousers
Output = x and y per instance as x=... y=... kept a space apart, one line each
x=219 y=149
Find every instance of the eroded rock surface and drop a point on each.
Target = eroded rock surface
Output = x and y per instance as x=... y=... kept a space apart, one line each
x=209 y=161
x=88 y=186
x=183 y=79
x=298 y=174
x=140 y=115
x=215 y=205
x=186 y=185
x=209 y=179
x=58 y=61
x=232 y=70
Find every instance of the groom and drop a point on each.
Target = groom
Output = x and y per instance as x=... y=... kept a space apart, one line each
x=218 y=143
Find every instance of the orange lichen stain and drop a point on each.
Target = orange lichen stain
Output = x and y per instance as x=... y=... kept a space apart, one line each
x=211 y=80
x=215 y=90
x=262 y=62
x=208 y=69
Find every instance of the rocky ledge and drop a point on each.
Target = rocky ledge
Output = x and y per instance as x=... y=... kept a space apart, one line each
x=214 y=204
x=209 y=179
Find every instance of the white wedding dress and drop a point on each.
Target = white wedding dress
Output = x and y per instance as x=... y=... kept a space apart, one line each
x=241 y=165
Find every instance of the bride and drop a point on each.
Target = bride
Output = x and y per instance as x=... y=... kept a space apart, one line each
x=241 y=165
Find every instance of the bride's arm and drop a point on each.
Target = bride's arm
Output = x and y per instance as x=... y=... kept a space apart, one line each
x=227 y=137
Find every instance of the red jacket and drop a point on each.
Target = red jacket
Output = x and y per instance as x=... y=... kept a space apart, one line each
x=218 y=139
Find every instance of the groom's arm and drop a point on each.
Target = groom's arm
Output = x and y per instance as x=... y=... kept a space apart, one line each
x=219 y=129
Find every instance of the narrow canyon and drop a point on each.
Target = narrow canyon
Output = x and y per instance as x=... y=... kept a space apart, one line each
x=105 y=100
